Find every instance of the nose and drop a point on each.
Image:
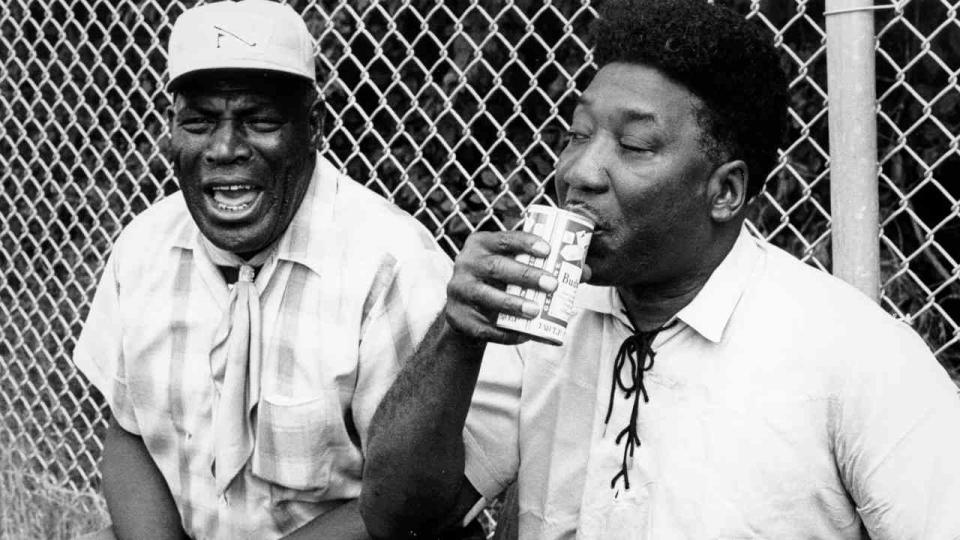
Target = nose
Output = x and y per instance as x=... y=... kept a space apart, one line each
x=583 y=167
x=227 y=144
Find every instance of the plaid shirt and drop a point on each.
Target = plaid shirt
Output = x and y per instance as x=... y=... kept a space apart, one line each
x=346 y=295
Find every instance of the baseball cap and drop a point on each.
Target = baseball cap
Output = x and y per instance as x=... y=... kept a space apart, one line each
x=250 y=34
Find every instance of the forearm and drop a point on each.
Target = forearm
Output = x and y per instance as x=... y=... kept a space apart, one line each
x=413 y=475
x=341 y=523
x=138 y=499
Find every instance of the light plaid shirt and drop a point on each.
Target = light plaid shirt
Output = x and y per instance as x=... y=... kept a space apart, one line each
x=346 y=295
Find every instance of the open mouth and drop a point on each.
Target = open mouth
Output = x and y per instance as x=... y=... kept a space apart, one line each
x=234 y=198
x=232 y=201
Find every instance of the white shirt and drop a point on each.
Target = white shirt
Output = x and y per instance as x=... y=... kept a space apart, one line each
x=784 y=404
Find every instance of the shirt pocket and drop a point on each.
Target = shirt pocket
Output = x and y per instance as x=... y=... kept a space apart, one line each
x=292 y=447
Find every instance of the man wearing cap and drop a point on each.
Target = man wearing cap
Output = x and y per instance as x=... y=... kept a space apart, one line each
x=245 y=328
x=710 y=385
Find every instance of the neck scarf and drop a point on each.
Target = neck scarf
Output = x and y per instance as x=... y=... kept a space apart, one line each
x=636 y=355
x=235 y=364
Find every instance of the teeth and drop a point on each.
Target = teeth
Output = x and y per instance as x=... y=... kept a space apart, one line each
x=234 y=197
x=233 y=208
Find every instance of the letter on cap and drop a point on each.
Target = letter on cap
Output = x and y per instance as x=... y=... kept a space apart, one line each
x=251 y=34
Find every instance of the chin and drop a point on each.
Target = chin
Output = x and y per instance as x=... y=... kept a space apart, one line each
x=612 y=274
x=598 y=277
x=235 y=243
x=598 y=282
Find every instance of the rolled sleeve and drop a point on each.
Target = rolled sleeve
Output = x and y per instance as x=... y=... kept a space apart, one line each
x=99 y=351
x=491 y=433
x=412 y=294
x=898 y=440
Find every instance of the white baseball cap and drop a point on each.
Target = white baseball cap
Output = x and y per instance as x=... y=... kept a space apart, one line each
x=250 y=34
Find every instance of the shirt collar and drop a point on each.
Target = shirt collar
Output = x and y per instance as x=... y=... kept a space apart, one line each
x=310 y=228
x=710 y=310
x=602 y=300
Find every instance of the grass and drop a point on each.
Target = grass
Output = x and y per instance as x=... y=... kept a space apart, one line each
x=35 y=507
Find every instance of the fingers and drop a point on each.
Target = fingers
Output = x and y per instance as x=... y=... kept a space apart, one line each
x=485 y=267
x=511 y=243
x=487 y=299
x=507 y=271
x=490 y=257
x=476 y=327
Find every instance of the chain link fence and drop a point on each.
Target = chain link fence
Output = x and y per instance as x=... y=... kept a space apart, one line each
x=453 y=109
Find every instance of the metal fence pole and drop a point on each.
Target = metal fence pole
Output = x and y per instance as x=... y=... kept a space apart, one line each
x=851 y=81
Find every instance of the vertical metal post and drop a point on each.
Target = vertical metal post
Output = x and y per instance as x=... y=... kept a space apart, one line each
x=851 y=87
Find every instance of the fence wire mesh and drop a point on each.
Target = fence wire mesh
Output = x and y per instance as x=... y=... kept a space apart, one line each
x=918 y=59
x=453 y=109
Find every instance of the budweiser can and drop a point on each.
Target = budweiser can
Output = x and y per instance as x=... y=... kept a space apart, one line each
x=569 y=237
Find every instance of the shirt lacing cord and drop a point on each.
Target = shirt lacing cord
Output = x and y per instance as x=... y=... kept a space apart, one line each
x=635 y=350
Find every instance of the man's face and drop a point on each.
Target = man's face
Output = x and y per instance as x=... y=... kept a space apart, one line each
x=635 y=164
x=244 y=155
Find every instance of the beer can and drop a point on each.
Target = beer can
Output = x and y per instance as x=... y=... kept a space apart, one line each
x=569 y=237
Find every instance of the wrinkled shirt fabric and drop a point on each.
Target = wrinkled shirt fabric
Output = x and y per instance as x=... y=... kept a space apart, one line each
x=346 y=294
x=783 y=404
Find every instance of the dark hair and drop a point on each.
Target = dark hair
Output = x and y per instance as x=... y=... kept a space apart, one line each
x=720 y=57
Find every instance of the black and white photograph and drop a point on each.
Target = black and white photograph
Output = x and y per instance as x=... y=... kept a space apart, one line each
x=480 y=269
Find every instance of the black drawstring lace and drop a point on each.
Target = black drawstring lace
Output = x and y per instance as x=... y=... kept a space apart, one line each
x=635 y=350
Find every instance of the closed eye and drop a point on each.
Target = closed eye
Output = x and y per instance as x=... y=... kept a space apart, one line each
x=197 y=124
x=633 y=148
x=264 y=125
x=575 y=136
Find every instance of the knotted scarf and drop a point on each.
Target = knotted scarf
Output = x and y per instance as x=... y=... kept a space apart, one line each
x=235 y=361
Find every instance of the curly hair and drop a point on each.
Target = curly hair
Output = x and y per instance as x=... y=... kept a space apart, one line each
x=719 y=56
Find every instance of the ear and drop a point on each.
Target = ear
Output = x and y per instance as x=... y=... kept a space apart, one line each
x=169 y=143
x=172 y=110
x=317 y=114
x=727 y=190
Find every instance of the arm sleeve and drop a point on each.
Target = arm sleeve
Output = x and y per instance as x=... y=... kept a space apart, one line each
x=409 y=296
x=99 y=351
x=491 y=435
x=898 y=441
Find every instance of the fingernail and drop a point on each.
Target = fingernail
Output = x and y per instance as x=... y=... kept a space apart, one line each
x=542 y=248
x=530 y=309
x=547 y=283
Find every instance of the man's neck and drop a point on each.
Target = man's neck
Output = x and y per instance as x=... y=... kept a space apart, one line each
x=650 y=306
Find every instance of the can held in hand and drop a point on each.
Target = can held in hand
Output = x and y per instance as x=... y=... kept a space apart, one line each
x=569 y=237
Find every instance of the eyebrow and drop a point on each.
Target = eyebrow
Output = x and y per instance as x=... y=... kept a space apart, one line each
x=629 y=115
x=202 y=108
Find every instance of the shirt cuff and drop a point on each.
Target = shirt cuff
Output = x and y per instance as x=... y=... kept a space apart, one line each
x=479 y=471
x=113 y=390
x=474 y=511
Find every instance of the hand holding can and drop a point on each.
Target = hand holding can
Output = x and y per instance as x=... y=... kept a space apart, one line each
x=568 y=235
